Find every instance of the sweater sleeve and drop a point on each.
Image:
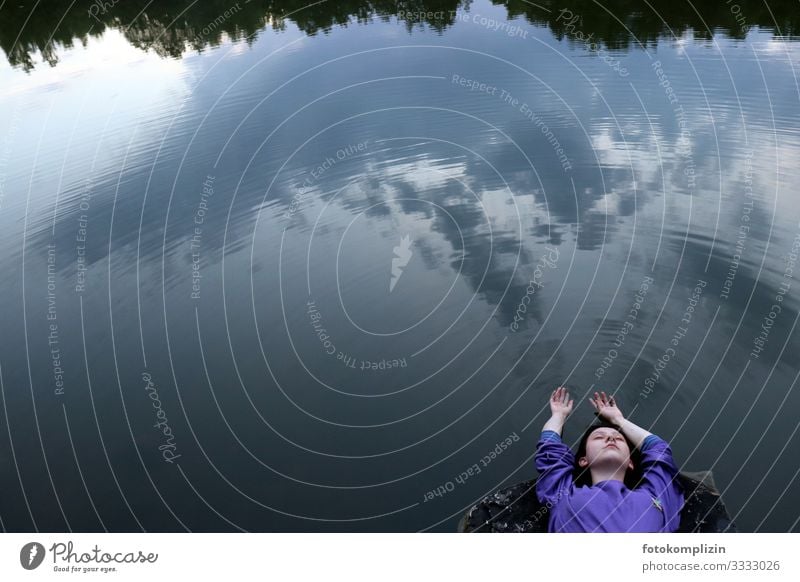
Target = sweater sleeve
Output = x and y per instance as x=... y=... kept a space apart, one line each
x=555 y=463
x=660 y=475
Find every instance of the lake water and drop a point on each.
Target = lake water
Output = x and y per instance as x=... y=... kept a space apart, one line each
x=276 y=267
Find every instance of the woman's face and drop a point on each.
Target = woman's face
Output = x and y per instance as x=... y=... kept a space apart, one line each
x=608 y=447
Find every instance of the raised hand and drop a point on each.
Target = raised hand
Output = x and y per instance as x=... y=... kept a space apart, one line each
x=560 y=403
x=606 y=408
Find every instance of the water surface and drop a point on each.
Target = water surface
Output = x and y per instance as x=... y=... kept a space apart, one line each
x=277 y=267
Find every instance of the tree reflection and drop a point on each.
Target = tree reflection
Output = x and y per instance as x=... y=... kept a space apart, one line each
x=172 y=27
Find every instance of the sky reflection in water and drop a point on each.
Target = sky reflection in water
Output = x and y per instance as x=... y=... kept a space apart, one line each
x=218 y=218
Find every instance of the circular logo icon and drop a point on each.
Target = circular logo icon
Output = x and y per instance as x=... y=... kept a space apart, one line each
x=31 y=555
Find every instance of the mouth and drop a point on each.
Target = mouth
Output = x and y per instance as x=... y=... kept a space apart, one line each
x=612 y=445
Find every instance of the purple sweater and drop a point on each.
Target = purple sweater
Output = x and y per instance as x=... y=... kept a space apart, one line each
x=608 y=506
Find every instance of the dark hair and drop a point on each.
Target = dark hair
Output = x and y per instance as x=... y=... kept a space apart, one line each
x=583 y=476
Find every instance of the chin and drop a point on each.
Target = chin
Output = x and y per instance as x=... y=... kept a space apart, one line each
x=615 y=454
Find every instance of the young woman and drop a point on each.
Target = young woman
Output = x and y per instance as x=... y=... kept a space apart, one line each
x=623 y=478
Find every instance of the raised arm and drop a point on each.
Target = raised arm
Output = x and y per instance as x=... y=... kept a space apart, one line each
x=607 y=409
x=560 y=409
x=554 y=460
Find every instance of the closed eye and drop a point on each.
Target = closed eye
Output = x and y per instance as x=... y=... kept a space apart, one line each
x=617 y=438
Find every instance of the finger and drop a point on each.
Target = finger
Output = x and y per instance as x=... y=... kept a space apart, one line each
x=570 y=403
x=565 y=395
